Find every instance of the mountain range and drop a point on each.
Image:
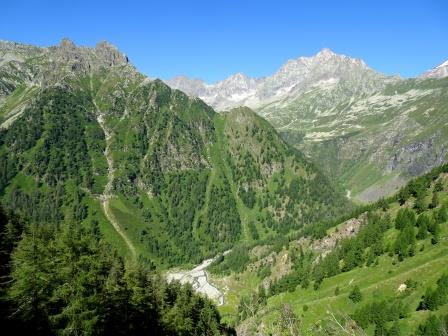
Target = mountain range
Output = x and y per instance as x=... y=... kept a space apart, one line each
x=325 y=69
x=369 y=132
x=112 y=183
x=165 y=177
x=439 y=71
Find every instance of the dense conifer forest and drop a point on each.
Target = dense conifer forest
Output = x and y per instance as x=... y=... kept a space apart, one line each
x=66 y=280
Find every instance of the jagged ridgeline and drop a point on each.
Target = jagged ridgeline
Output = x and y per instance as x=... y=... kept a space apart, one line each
x=86 y=138
x=368 y=131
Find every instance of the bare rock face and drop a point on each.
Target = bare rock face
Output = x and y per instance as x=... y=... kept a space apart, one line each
x=348 y=229
x=299 y=75
x=418 y=157
x=67 y=54
x=82 y=58
x=64 y=60
x=110 y=54
x=32 y=67
x=13 y=69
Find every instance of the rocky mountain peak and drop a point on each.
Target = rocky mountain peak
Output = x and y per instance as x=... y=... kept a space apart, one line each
x=328 y=56
x=104 y=54
x=192 y=87
x=325 y=53
x=66 y=43
x=238 y=80
x=239 y=76
x=325 y=69
x=111 y=53
x=43 y=66
x=439 y=71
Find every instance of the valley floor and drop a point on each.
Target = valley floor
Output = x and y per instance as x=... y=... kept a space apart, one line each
x=198 y=277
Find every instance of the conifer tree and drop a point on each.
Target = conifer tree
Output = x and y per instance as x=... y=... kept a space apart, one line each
x=355 y=295
x=434 y=201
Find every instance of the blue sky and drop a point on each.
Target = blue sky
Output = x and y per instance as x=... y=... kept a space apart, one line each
x=213 y=39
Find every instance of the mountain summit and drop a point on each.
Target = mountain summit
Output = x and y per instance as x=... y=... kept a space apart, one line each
x=440 y=71
x=326 y=68
x=25 y=64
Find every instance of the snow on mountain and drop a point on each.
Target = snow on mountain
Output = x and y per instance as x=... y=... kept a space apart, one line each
x=440 y=71
x=323 y=70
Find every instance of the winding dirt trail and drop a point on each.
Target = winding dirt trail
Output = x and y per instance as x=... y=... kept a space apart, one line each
x=107 y=193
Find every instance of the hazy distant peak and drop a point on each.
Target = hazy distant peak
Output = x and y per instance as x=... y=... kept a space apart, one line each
x=439 y=71
x=325 y=53
x=67 y=43
x=325 y=68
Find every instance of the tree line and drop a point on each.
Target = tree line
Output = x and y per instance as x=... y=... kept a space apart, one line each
x=67 y=280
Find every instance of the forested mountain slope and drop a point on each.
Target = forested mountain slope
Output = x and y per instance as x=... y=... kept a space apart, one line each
x=86 y=138
x=380 y=271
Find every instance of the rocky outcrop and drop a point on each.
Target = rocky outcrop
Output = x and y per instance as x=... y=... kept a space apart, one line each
x=110 y=54
x=417 y=158
x=346 y=230
x=24 y=64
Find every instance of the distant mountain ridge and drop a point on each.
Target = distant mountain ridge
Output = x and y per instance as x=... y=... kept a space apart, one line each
x=440 y=71
x=370 y=132
x=324 y=69
x=85 y=138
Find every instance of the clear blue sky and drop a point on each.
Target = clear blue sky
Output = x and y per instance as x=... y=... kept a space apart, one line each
x=213 y=39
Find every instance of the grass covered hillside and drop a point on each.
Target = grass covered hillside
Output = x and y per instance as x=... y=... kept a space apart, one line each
x=380 y=272
x=371 y=143
x=88 y=140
